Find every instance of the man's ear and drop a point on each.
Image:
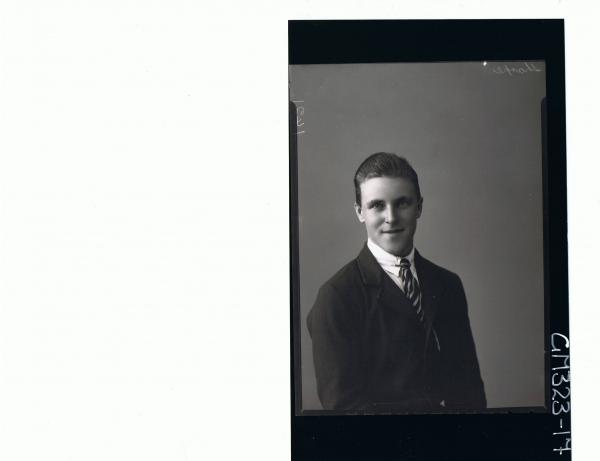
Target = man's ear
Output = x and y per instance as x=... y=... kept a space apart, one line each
x=358 y=210
x=419 y=207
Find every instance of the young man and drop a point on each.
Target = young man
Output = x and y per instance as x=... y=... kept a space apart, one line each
x=390 y=330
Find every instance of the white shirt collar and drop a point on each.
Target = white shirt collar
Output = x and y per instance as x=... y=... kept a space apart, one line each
x=388 y=261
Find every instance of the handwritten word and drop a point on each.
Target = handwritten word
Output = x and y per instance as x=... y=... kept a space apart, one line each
x=512 y=70
x=299 y=117
x=561 y=378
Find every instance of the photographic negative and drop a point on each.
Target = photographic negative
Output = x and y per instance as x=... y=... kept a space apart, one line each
x=428 y=237
x=440 y=163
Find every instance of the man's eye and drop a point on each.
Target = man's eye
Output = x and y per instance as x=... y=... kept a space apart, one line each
x=378 y=206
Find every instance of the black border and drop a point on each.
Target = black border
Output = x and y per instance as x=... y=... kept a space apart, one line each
x=509 y=435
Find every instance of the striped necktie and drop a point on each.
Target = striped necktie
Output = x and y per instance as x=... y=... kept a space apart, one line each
x=410 y=286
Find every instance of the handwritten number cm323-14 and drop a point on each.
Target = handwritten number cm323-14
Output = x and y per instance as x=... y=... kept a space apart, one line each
x=560 y=395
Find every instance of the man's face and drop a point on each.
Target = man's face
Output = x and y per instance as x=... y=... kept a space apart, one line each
x=390 y=208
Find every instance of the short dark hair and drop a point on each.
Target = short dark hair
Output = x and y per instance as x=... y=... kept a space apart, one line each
x=384 y=164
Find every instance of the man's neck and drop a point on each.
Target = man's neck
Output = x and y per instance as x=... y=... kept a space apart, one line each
x=385 y=257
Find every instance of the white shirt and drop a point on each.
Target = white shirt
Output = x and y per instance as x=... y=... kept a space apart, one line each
x=391 y=264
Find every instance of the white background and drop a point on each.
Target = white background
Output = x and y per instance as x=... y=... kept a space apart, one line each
x=144 y=222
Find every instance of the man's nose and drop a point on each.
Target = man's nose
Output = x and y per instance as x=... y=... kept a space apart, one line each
x=391 y=215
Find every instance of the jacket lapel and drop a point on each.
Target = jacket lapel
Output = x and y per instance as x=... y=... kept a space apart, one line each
x=392 y=295
x=429 y=292
x=387 y=292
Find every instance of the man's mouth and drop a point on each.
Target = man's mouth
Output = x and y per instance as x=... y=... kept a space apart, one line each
x=393 y=231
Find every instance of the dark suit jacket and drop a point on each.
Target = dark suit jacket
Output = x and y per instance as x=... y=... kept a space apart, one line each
x=371 y=353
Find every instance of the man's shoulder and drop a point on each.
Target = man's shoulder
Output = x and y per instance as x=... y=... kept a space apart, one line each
x=441 y=273
x=345 y=279
x=339 y=297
